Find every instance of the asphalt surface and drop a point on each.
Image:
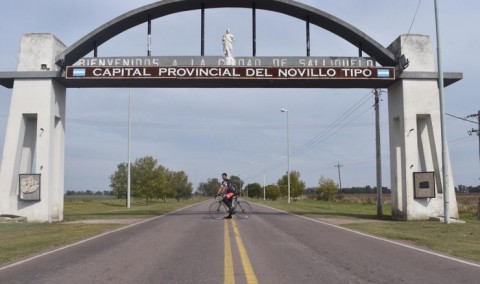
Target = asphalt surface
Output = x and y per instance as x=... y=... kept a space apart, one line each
x=187 y=246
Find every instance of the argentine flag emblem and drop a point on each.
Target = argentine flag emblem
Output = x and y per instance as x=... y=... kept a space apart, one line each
x=78 y=72
x=383 y=73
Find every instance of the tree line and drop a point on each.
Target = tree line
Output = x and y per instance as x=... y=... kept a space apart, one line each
x=255 y=190
x=89 y=192
x=467 y=189
x=149 y=180
x=326 y=188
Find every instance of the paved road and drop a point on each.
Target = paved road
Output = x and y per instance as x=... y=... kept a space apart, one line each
x=270 y=247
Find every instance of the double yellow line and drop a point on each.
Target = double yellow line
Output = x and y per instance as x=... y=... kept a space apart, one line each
x=247 y=265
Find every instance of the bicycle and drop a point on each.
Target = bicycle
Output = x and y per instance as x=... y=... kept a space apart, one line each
x=218 y=210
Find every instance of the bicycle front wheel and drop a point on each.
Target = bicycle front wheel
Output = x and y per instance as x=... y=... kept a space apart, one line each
x=243 y=209
x=217 y=210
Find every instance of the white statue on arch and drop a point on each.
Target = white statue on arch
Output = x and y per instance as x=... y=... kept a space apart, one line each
x=227 y=41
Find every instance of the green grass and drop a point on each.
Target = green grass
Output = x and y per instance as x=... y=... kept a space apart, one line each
x=21 y=240
x=90 y=207
x=461 y=240
x=335 y=209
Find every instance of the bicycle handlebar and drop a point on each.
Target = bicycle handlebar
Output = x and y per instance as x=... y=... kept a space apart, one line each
x=222 y=195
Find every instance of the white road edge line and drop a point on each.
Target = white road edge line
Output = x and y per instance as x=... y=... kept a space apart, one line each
x=89 y=239
x=380 y=238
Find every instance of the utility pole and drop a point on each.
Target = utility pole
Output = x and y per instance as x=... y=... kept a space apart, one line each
x=339 y=177
x=128 y=150
x=476 y=130
x=446 y=187
x=378 y=154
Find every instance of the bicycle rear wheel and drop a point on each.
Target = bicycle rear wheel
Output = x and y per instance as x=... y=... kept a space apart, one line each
x=217 y=210
x=243 y=209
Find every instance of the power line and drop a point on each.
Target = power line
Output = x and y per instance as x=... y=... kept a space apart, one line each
x=413 y=21
x=331 y=129
x=464 y=119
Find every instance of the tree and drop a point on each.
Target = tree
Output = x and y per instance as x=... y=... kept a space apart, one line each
x=254 y=190
x=147 y=178
x=297 y=186
x=150 y=180
x=118 y=181
x=272 y=192
x=209 y=188
x=180 y=187
x=70 y=192
x=327 y=188
x=237 y=182
x=162 y=188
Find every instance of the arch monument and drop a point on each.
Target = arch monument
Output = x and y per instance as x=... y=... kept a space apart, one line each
x=32 y=169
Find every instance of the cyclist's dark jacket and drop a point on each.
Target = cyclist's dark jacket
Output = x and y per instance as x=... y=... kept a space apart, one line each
x=230 y=188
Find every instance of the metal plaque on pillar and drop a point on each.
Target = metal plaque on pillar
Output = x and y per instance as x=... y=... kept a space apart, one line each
x=29 y=187
x=424 y=184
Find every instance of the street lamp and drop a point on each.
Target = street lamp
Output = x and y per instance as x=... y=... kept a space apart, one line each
x=288 y=153
x=128 y=151
x=446 y=194
x=263 y=166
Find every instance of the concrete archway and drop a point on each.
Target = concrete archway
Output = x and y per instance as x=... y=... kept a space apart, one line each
x=34 y=142
x=167 y=7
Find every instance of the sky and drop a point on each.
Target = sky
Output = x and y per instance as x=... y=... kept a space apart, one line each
x=205 y=132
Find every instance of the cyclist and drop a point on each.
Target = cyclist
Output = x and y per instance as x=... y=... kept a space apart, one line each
x=229 y=192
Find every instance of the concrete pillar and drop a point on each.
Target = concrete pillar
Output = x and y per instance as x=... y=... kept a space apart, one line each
x=34 y=140
x=415 y=134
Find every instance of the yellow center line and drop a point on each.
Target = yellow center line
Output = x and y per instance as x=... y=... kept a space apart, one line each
x=228 y=270
x=247 y=266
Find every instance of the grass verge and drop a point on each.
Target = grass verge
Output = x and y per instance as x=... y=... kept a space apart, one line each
x=90 y=207
x=20 y=240
x=460 y=240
